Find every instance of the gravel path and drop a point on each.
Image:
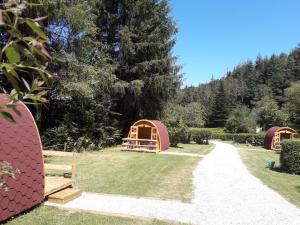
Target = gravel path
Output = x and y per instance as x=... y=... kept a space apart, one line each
x=224 y=193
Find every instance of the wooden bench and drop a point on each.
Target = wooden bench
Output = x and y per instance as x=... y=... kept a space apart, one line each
x=56 y=183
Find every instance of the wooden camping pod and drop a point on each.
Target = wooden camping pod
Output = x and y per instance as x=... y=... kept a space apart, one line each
x=276 y=134
x=21 y=147
x=147 y=136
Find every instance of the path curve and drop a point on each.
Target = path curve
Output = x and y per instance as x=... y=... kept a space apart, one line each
x=224 y=193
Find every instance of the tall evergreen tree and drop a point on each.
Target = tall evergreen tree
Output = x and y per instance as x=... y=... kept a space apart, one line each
x=140 y=34
x=219 y=112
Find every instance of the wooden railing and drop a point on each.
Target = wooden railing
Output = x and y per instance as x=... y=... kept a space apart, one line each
x=139 y=145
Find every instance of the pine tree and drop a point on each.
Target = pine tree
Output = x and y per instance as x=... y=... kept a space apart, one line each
x=140 y=34
x=219 y=112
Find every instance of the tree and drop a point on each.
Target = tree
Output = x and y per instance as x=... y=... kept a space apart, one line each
x=240 y=120
x=219 y=110
x=192 y=115
x=140 y=34
x=81 y=102
x=292 y=104
x=269 y=114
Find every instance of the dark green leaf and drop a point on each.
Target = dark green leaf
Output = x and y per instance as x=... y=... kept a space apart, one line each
x=35 y=27
x=7 y=116
x=12 y=54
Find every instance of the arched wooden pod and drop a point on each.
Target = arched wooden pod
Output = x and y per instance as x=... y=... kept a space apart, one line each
x=282 y=133
x=20 y=146
x=162 y=132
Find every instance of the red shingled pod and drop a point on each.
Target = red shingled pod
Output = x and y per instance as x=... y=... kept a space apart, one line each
x=276 y=134
x=20 y=146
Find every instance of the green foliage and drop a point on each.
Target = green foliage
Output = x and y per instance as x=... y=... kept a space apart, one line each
x=179 y=135
x=23 y=56
x=242 y=138
x=202 y=137
x=140 y=35
x=115 y=65
x=290 y=156
x=252 y=84
x=240 y=121
x=219 y=110
x=192 y=115
x=82 y=105
x=215 y=132
x=269 y=114
x=292 y=104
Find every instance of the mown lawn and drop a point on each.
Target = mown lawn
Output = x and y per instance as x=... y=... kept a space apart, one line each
x=192 y=148
x=138 y=174
x=287 y=185
x=46 y=215
x=111 y=171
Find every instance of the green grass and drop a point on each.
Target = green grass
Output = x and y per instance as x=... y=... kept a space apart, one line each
x=138 y=174
x=46 y=215
x=192 y=148
x=287 y=185
x=125 y=173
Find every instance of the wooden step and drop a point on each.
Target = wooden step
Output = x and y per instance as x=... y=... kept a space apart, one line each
x=64 y=196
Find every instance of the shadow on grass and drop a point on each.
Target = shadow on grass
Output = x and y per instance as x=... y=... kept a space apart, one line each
x=281 y=170
x=176 y=147
x=298 y=188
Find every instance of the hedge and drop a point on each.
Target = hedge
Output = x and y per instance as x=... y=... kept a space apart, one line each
x=241 y=138
x=202 y=136
x=290 y=156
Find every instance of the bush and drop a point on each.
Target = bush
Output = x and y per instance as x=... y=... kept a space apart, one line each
x=240 y=121
x=179 y=135
x=202 y=136
x=241 y=138
x=290 y=156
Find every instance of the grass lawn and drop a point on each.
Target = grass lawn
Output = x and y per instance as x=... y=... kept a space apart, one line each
x=287 y=185
x=192 y=148
x=125 y=173
x=46 y=215
x=138 y=174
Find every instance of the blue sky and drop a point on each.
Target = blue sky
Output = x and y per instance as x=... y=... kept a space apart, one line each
x=216 y=35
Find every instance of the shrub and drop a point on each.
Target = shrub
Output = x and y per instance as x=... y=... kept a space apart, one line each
x=240 y=121
x=241 y=138
x=179 y=135
x=290 y=156
x=202 y=136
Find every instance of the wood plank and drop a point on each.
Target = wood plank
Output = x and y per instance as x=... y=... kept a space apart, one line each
x=140 y=150
x=139 y=145
x=64 y=196
x=48 y=166
x=57 y=153
x=131 y=139
x=54 y=184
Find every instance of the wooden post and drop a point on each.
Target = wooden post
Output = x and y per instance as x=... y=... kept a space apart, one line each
x=65 y=147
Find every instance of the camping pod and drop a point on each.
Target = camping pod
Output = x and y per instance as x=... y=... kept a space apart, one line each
x=276 y=134
x=21 y=149
x=147 y=136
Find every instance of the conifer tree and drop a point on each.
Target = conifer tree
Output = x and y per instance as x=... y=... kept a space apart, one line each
x=140 y=34
x=219 y=112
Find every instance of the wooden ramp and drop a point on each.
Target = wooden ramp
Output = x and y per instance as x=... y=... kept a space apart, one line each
x=54 y=184
x=64 y=196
